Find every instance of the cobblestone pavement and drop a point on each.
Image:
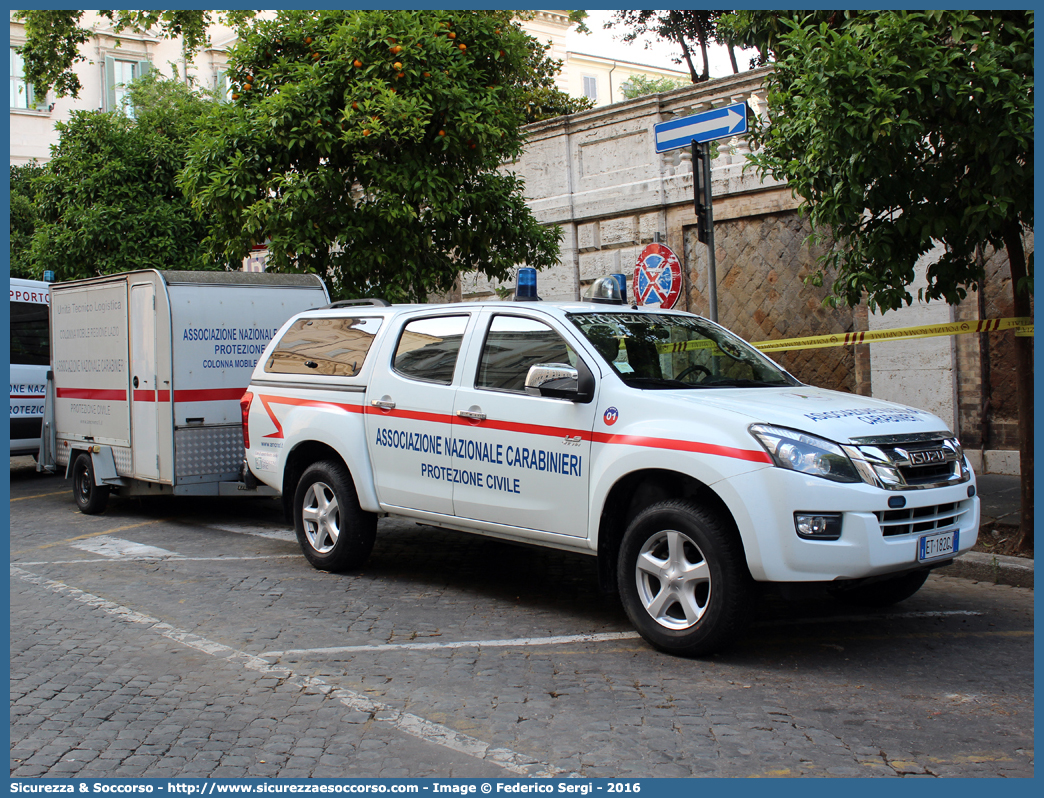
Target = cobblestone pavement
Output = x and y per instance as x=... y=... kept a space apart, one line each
x=189 y=638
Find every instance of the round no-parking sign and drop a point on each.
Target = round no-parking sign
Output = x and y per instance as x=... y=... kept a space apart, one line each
x=657 y=277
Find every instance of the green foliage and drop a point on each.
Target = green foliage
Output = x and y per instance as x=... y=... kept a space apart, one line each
x=901 y=131
x=686 y=28
x=52 y=39
x=641 y=85
x=107 y=200
x=23 y=218
x=366 y=147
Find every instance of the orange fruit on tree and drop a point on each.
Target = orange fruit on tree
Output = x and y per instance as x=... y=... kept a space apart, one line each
x=357 y=63
x=355 y=106
x=452 y=35
x=426 y=74
x=462 y=47
x=396 y=50
x=308 y=39
x=397 y=66
x=366 y=132
x=442 y=132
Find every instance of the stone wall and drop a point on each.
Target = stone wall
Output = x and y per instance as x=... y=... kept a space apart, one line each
x=988 y=418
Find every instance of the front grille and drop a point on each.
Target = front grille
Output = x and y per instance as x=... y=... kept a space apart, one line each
x=929 y=474
x=919 y=520
x=898 y=462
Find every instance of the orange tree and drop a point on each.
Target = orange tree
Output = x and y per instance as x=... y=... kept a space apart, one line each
x=367 y=147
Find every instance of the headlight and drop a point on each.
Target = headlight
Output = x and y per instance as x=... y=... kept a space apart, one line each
x=804 y=453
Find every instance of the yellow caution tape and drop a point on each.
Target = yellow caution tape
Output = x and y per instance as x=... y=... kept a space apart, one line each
x=1022 y=326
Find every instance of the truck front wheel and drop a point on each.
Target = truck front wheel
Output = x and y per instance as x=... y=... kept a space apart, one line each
x=683 y=579
x=90 y=498
x=334 y=532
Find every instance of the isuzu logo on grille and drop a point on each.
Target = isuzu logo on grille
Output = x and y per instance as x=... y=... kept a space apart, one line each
x=927 y=457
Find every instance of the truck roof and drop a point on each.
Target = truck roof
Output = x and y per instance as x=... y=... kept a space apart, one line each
x=207 y=278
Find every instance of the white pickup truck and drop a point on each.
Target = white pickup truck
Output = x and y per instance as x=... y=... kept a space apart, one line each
x=690 y=464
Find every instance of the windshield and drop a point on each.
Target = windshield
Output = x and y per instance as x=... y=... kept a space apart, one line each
x=657 y=351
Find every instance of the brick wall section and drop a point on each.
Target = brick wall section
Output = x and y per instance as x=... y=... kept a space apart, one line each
x=762 y=262
x=1000 y=428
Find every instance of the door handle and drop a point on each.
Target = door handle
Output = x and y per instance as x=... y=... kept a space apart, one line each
x=471 y=415
x=383 y=404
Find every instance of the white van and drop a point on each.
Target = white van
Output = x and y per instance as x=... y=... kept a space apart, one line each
x=30 y=356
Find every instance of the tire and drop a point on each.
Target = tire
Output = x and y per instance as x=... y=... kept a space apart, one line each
x=335 y=534
x=683 y=579
x=884 y=593
x=90 y=498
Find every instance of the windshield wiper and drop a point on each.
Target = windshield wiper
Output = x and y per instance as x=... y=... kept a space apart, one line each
x=742 y=383
x=658 y=382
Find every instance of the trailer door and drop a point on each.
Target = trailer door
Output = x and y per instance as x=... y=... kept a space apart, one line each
x=144 y=396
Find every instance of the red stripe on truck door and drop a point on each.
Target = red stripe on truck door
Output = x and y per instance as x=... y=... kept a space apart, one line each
x=90 y=393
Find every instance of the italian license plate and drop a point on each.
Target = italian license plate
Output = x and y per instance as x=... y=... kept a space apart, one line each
x=932 y=547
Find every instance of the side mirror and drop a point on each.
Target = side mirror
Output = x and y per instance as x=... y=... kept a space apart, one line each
x=561 y=381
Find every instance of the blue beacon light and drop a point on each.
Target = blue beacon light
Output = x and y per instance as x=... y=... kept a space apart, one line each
x=525 y=288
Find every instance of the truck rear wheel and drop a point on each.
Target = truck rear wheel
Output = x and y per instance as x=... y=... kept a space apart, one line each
x=334 y=532
x=884 y=593
x=683 y=579
x=90 y=498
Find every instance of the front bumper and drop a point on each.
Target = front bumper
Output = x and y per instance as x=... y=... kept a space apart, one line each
x=875 y=539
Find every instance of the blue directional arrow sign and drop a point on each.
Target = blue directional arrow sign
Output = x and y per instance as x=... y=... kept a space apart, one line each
x=698 y=128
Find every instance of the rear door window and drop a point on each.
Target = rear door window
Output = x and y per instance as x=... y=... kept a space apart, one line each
x=428 y=348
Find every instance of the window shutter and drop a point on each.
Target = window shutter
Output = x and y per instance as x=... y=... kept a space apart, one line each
x=109 y=92
x=221 y=85
x=144 y=68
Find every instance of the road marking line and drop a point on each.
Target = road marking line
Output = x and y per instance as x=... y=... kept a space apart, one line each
x=406 y=722
x=39 y=496
x=123 y=549
x=260 y=532
x=99 y=534
x=519 y=641
x=586 y=638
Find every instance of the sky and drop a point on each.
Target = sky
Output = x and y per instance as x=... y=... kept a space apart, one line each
x=606 y=43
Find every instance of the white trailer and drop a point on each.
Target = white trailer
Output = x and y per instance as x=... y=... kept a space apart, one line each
x=147 y=370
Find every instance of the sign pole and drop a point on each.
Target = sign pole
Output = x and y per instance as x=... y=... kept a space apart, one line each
x=701 y=182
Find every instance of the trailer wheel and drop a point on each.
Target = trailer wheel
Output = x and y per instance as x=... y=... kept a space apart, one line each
x=335 y=534
x=683 y=580
x=90 y=498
